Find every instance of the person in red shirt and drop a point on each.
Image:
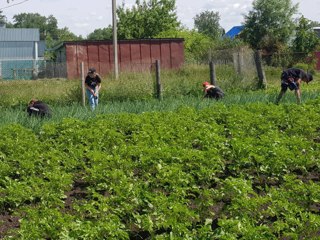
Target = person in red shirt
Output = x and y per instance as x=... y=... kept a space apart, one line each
x=212 y=91
x=292 y=78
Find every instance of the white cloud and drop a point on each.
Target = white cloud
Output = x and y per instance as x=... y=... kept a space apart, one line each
x=81 y=25
x=100 y=17
x=236 y=5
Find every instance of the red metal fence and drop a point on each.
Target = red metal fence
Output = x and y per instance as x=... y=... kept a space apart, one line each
x=318 y=60
x=133 y=55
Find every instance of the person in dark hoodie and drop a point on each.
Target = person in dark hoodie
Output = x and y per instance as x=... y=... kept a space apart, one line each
x=292 y=78
x=38 y=108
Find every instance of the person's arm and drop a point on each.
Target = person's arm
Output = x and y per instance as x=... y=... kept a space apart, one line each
x=298 y=91
x=98 y=87
x=89 y=88
x=205 y=93
x=298 y=95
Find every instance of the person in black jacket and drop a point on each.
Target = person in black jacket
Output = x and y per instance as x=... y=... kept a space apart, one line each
x=38 y=108
x=212 y=91
x=292 y=78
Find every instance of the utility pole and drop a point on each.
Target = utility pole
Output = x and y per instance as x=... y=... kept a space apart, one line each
x=115 y=38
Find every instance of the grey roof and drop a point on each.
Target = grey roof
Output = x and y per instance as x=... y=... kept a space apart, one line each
x=19 y=34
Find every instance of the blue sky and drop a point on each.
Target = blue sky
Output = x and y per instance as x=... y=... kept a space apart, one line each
x=83 y=16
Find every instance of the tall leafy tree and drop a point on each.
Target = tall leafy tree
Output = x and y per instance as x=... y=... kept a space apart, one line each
x=196 y=44
x=46 y=25
x=207 y=23
x=270 y=24
x=3 y=18
x=62 y=34
x=147 y=19
x=306 y=40
x=101 y=34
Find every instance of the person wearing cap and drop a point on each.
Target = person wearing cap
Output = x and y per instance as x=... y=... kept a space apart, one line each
x=38 y=108
x=212 y=91
x=93 y=86
x=292 y=78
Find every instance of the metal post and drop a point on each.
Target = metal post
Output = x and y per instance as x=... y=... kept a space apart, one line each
x=82 y=85
x=212 y=73
x=35 y=69
x=158 y=83
x=261 y=75
x=115 y=39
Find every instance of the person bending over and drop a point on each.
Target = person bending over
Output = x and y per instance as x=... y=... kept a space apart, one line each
x=212 y=91
x=93 y=86
x=292 y=78
x=38 y=108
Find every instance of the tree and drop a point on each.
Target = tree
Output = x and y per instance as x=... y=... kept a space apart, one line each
x=306 y=40
x=196 y=45
x=101 y=34
x=146 y=19
x=46 y=25
x=269 y=25
x=208 y=23
x=62 y=34
x=3 y=18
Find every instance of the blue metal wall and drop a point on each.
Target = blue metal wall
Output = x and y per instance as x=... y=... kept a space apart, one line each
x=16 y=50
x=18 y=43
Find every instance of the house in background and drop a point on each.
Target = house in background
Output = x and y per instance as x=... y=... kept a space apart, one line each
x=20 y=50
x=317 y=31
x=233 y=32
x=236 y=30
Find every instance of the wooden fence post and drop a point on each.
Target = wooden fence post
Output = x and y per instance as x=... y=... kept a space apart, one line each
x=82 y=85
x=158 y=83
x=212 y=73
x=261 y=75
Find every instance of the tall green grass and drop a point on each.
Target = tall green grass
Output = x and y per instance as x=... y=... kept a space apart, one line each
x=134 y=93
x=18 y=115
x=186 y=81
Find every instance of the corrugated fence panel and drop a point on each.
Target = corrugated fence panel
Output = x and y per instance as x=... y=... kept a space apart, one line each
x=93 y=56
x=125 y=56
x=133 y=55
x=155 y=51
x=177 y=54
x=136 y=57
x=105 y=59
x=72 y=61
x=145 y=53
x=165 y=60
x=82 y=55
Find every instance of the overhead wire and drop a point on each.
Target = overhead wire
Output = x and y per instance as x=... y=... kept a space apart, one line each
x=14 y=4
